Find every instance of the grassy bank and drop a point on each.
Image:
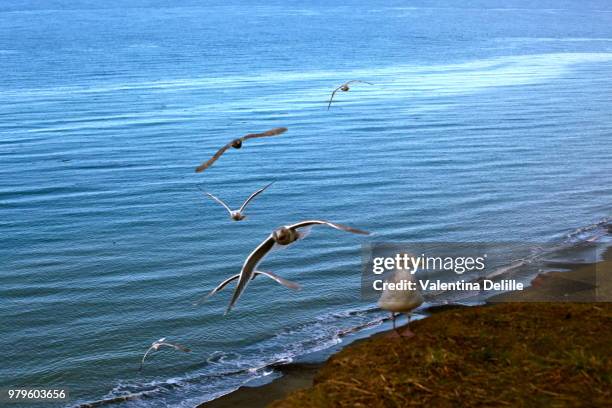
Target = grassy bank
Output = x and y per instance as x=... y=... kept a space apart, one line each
x=534 y=354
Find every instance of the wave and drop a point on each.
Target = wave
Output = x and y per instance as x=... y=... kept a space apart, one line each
x=227 y=371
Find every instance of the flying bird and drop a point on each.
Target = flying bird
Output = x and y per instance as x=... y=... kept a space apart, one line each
x=162 y=342
x=287 y=283
x=237 y=144
x=281 y=237
x=237 y=215
x=344 y=88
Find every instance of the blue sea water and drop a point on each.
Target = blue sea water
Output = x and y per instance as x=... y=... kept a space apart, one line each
x=487 y=121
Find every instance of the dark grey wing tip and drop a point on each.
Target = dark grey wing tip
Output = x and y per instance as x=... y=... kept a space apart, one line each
x=204 y=298
x=347 y=228
x=183 y=348
x=229 y=307
x=281 y=129
x=362 y=232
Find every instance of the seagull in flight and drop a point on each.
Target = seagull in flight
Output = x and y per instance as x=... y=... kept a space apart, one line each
x=344 y=88
x=237 y=144
x=238 y=215
x=162 y=342
x=281 y=237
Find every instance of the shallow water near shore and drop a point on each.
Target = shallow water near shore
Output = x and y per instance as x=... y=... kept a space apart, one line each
x=484 y=124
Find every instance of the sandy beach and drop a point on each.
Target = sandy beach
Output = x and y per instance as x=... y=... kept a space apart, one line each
x=561 y=346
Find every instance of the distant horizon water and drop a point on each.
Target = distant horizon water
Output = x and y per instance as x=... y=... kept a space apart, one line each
x=484 y=124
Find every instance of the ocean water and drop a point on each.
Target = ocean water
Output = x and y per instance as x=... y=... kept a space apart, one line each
x=489 y=121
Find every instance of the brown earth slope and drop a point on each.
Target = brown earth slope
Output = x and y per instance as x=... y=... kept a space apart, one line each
x=516 y=354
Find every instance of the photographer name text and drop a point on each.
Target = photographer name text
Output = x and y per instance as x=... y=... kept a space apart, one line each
x=438 y=285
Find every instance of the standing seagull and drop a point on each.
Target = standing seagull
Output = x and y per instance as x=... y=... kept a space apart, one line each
x=401 y=301
x=162 y=342
x=237 y=215
x=237 y=144
x=344 y=88
x=280 y=237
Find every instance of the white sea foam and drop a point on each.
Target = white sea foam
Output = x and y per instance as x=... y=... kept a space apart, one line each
x=310 y=89
x=510 y=70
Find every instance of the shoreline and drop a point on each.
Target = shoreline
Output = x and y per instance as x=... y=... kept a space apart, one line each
x=574 y=282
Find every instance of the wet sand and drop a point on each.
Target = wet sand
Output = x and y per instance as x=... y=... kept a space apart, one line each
x=552 y=295
x=294 y=377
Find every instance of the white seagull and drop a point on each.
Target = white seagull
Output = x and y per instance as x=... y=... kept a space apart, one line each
x=237 y=215
x=280 y=237
x=401 y=301
x=162 y=342
x=344 y=88
x=237 y=144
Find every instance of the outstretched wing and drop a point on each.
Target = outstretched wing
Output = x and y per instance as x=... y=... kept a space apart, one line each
x=340 y=227
x=145 y=356
x=271 y=132
x=332 y=95
x=218 y=288
x=252 y=196
x=217 y=199
x=213 y=159
x=248 y=268
x=286 y=283
x=182 y=348
x=356 y=80
x=177 y=347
